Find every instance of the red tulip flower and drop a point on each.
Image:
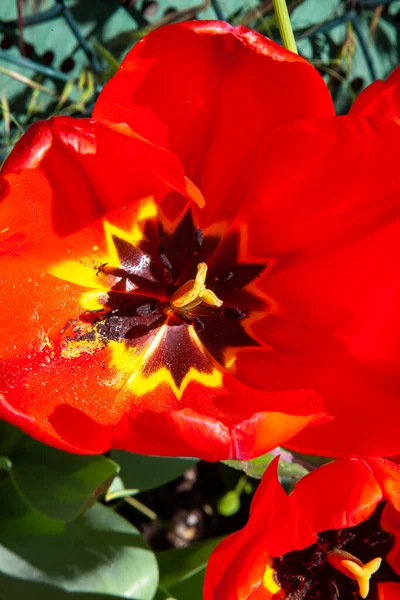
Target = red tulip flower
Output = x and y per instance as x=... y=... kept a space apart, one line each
x=209 y=266
x=336 y=536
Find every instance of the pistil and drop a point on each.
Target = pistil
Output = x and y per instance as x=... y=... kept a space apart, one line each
x=194 y=292
x=353 y=568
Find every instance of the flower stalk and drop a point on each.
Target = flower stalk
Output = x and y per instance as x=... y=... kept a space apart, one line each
x=285 y=26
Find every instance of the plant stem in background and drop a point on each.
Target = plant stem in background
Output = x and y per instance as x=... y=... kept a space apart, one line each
x=285 y=26
x=21 y=43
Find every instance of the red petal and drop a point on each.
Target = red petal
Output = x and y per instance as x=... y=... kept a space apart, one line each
x=36 y=305
x=284 y=415
x=69 y=179
x=236 y=567
x=341 y=494
x=173 y=433
x=215 y=424
x=387 y=474
x=217 y=582
x=63 y=176
x=388 y=591
x=390 y=522
x=381 y=98
x=70 y=397
x=338 y=495
x=333 y=323
x=211 y=93
x=34 y=386
x=29 y=312
x=64 y=385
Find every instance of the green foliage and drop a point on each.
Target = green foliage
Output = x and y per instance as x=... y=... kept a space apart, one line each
x=99 y=552
x=182 y=571
x=69 y=484
x=140 y=473
x=56 y=541
x=163 y=595
x=10 y=439
x=309 y=13
x=287 y=469
x=5 y=463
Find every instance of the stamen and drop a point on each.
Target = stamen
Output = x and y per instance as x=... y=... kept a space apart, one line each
x=198 y=324
x=234 y=313
x=269 y=580
x=225 y=276
x=199 y=238
x=194 y=292
x=165 y=261
x=353 y=568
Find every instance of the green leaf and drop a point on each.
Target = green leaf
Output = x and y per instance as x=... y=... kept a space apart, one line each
x=16 y=589
x=192 y=587
x=163 y=594
x=139 y=472
x=108 y=57
x=57 y=484
x=256 y=468
x=98 y=553
x=5 y=463
x=11 y=439
x=253 y=468
x=382 y=47
x=310 y=12
x=182 y=571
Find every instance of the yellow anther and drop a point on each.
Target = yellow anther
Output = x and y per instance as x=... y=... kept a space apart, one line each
x=352 y=567
x=269 y=580
x=194 y=292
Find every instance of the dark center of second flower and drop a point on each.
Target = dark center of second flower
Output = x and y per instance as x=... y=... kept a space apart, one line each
x=344 y=564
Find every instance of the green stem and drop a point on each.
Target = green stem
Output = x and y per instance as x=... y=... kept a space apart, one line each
x=285 y=26
x=142 y=508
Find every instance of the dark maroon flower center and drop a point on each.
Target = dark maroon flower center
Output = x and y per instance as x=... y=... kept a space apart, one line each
x=155 y=270
x=308 y=575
